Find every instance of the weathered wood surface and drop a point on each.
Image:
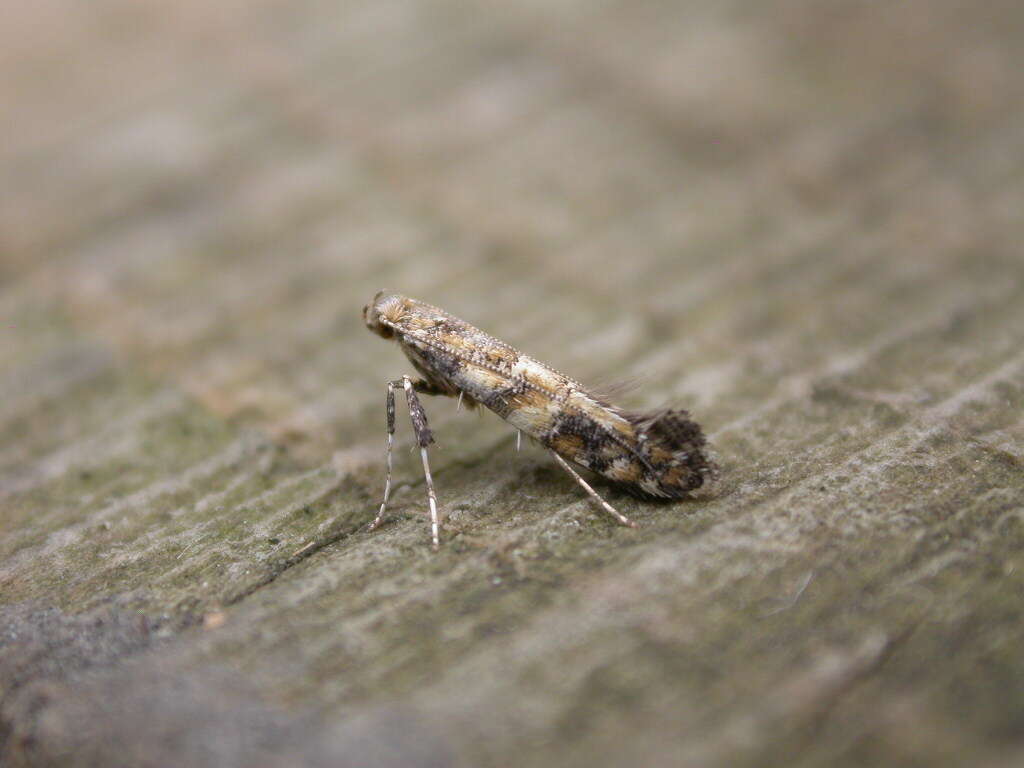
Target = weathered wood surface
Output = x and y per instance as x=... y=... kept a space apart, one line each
x=802 y=220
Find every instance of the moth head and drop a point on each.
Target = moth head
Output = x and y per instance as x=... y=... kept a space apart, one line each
x=381 y=313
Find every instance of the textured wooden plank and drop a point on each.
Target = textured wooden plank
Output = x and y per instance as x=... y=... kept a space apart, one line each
x=802 y=222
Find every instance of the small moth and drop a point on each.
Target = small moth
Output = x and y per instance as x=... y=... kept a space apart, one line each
x=653 y=455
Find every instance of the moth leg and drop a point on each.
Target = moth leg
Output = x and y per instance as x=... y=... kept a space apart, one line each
x=424 y=437
x=593 y=494
x=391 y=440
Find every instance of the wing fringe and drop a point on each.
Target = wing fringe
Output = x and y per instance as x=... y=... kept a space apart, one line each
x=675 y=432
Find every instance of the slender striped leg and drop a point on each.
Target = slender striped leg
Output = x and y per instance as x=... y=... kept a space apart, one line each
x=593 y=494
x=391 y=442
x=424 y=437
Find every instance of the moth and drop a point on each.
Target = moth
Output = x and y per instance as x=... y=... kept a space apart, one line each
x=652 y=455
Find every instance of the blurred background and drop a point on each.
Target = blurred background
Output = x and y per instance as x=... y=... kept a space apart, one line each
x=800 y=220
